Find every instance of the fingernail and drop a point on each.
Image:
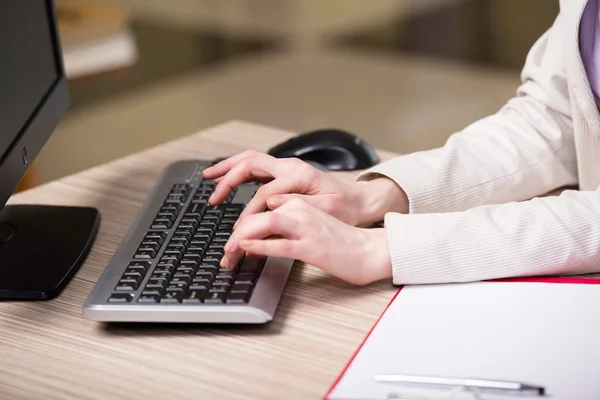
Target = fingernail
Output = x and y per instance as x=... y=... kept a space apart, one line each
x=224 y=261
x=275 y=201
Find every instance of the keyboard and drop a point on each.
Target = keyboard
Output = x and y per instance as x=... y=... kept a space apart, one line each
x=167 y=267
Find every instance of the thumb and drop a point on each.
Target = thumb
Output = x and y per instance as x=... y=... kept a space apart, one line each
x=277 y=201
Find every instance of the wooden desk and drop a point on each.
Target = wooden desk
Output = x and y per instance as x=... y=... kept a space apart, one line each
x=49 y=351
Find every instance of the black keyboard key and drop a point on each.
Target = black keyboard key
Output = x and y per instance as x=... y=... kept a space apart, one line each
x=153 y=292
x=245 y=278
x=175 y=253
x=212 y=261
x=222 y=235
x=208 y=225
x=156 y=236
x=200 y=286
x=214 y=211
x=242 y=287
x=200 y=240
x=219 y=284
x=145 y=254
x=176 y=287
x=170 y=208
x=161 y=275
x=181 y=279
x=182 y=235
x=157 y=283
x=195 y=296
x=145 y=298
x=204 y=279
x=192 y=256
x=179 y=192
x=176 y=245
x=204 y=231
x=171 y=216
x=182 y=186
x=133 y=275
x=170 y=258
x=216 y=246
x=196 y=249
x=211 y=218
x=164 y=268
x=161 y=223
x=125 y=285
x=167 y=263
x=149 y=249
x=252 y=264
x=195 y=210
x=192 y=264
x=187 y=227
x=217 y=255
x=238 y=298
x=205 y=274
x=215 y=297
x=151 y=243
x=172 y=297
x=141 y=266
x=226 y=273
x=120 y=298
x=210 y=265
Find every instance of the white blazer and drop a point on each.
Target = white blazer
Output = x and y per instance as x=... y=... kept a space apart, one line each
x=478 y=205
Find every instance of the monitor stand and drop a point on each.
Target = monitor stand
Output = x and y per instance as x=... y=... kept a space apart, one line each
x=42 y=247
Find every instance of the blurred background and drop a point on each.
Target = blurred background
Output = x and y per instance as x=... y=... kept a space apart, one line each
x=403 y=74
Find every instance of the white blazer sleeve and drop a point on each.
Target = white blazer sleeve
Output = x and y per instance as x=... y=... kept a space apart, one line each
x=524 y=150
x=542 y=236
x=474 y=212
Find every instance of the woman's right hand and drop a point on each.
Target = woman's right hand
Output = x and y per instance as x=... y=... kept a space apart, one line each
x=355 y=203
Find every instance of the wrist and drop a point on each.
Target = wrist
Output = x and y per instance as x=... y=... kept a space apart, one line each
x=378 y=197
x=377 y=264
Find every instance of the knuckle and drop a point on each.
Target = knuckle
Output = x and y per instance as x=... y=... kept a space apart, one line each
x=244 y=163
x=297 y=203
x=287 y=246
x=271 y=218
x=251 y=153
x=263 y=191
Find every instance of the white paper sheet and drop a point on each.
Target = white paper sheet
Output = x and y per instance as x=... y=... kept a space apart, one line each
x=546 y=334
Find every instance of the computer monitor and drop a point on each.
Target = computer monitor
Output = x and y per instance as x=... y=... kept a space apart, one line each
x=41 y=246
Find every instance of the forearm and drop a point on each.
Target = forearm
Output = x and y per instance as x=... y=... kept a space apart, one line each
x=543 y=236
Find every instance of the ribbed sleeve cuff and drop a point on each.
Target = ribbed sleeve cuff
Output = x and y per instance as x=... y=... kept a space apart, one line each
x=415 y=174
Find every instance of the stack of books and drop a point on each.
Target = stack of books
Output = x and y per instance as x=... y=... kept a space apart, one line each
x=96 y=38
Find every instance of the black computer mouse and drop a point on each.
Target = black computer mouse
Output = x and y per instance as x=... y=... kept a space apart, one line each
x=335 y=149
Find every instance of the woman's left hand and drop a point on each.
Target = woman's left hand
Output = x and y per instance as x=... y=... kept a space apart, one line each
x=301 y=231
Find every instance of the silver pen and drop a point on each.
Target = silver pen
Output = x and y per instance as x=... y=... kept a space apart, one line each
x=471 y=383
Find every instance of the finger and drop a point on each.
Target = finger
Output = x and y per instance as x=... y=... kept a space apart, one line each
x=274 y=202
x=258 y=226
x=258 y=203
x=247 y=169
x=273 y=247
x=222 y=167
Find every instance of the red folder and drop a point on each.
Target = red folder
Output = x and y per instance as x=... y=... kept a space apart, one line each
x=555 y=280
